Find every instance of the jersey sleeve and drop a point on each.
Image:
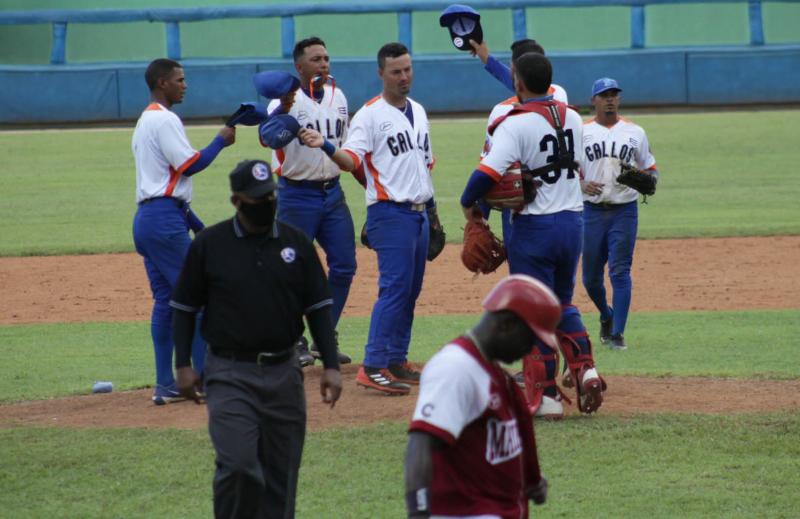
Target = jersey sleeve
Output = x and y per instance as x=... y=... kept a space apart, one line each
x=430 y=158
x=644 y=158
x=449 y=398
x=577 y=136
x=191 y=290
x=346 y=116
x=175 y=145
x=316 y=293
x=358 y=141
x=504 y=151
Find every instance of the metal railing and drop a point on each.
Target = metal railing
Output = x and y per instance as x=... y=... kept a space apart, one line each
x=173 y=17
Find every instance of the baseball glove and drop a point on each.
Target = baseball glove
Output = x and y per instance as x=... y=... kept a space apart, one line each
x=641 y=181
x=483 y=252
x=437 y=234
x=515 y=189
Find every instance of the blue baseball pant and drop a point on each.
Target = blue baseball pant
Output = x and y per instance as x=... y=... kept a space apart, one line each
x=399 y=235
x=161 y=236
x=610 y=237
x=548 y=247
x=324 y=216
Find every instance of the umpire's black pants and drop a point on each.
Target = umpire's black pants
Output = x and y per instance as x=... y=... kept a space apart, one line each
x=257 y=421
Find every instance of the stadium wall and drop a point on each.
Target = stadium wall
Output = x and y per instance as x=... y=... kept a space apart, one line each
x=88 y=65
x=115 y=92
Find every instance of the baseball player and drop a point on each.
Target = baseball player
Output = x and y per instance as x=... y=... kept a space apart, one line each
x=546 y=234
x=610 y=211
x=309 y=194
x=471 y=447
x=390 y=138
x=504 y=75
x=165 y=163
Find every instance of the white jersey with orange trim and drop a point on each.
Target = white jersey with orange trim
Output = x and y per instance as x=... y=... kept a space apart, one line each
x=502 y=108
x=329 y=117
x=162 y=153
x=397 y=157
x=604 y=148
x=528 y=138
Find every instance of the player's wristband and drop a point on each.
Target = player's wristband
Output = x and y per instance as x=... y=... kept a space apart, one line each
x=328 y=148
x=417 y=503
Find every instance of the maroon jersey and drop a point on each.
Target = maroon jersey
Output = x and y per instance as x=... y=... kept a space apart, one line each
x=475 y=408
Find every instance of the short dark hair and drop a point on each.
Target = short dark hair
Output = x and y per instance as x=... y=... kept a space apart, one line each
x=535 y=72
x=300 y=46
x=525 y=45
x=390 y=50
x=159 y=69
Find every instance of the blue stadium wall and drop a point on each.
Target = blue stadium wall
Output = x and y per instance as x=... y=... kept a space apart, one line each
x=650 y=77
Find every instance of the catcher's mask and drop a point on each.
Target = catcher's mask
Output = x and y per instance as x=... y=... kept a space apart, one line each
x=532 y=301
x=464 y=24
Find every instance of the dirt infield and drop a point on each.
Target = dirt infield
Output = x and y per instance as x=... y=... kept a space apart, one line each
x=700 y=274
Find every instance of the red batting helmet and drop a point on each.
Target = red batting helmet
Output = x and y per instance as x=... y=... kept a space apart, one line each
x=532 y=301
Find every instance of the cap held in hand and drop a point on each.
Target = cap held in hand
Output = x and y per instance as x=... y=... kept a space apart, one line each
x=464 y=24
x=274 y=84
x=278 y=131
x=248 y=114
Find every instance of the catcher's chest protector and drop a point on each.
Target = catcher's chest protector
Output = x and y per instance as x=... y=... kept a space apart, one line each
x=555 y=113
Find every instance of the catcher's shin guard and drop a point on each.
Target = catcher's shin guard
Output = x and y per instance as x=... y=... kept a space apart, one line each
x=581 y=372
x=536 y=380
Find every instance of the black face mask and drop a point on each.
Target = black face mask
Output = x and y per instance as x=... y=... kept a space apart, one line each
x=262 y=214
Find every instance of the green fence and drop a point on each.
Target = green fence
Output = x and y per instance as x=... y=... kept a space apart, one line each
x=558 y=29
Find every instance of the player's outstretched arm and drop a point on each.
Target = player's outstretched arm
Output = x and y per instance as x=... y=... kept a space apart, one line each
x=228 y=135
x=480 y=49
x=314 y=139
x=419 y=473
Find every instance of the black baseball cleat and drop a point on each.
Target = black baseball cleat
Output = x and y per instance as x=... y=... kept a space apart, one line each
x=605 y=330
x=404 y=373
x=343 y=358
x=617 y=342
x=303 y=355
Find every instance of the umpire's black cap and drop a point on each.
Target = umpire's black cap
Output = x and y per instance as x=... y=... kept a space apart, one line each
x=252 y=178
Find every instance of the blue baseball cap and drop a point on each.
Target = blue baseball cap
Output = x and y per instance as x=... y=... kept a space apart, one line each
x=248 y=114
x=279 y=131
x=464 y=24
x=273 y=84
x=603 y=84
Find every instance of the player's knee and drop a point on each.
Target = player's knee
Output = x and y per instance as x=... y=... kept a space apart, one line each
x=620 y=274
x=342 y=270
x=341 y=278
x=571 y=322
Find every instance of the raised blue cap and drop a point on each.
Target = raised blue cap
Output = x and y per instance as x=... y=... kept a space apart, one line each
x=273 y=84
x=452 y=12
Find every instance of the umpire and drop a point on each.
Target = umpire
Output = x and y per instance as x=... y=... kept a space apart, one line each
x=256 y=277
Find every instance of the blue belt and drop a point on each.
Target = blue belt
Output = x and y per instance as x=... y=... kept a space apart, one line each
x=177 y=201
x=406 y=205
x=606 y=205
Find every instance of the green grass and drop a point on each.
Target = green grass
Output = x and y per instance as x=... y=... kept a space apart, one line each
x=651 y=466
x=723 y=174
x=50 y=360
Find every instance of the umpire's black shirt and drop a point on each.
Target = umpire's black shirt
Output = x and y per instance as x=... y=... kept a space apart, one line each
x=255 y=287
